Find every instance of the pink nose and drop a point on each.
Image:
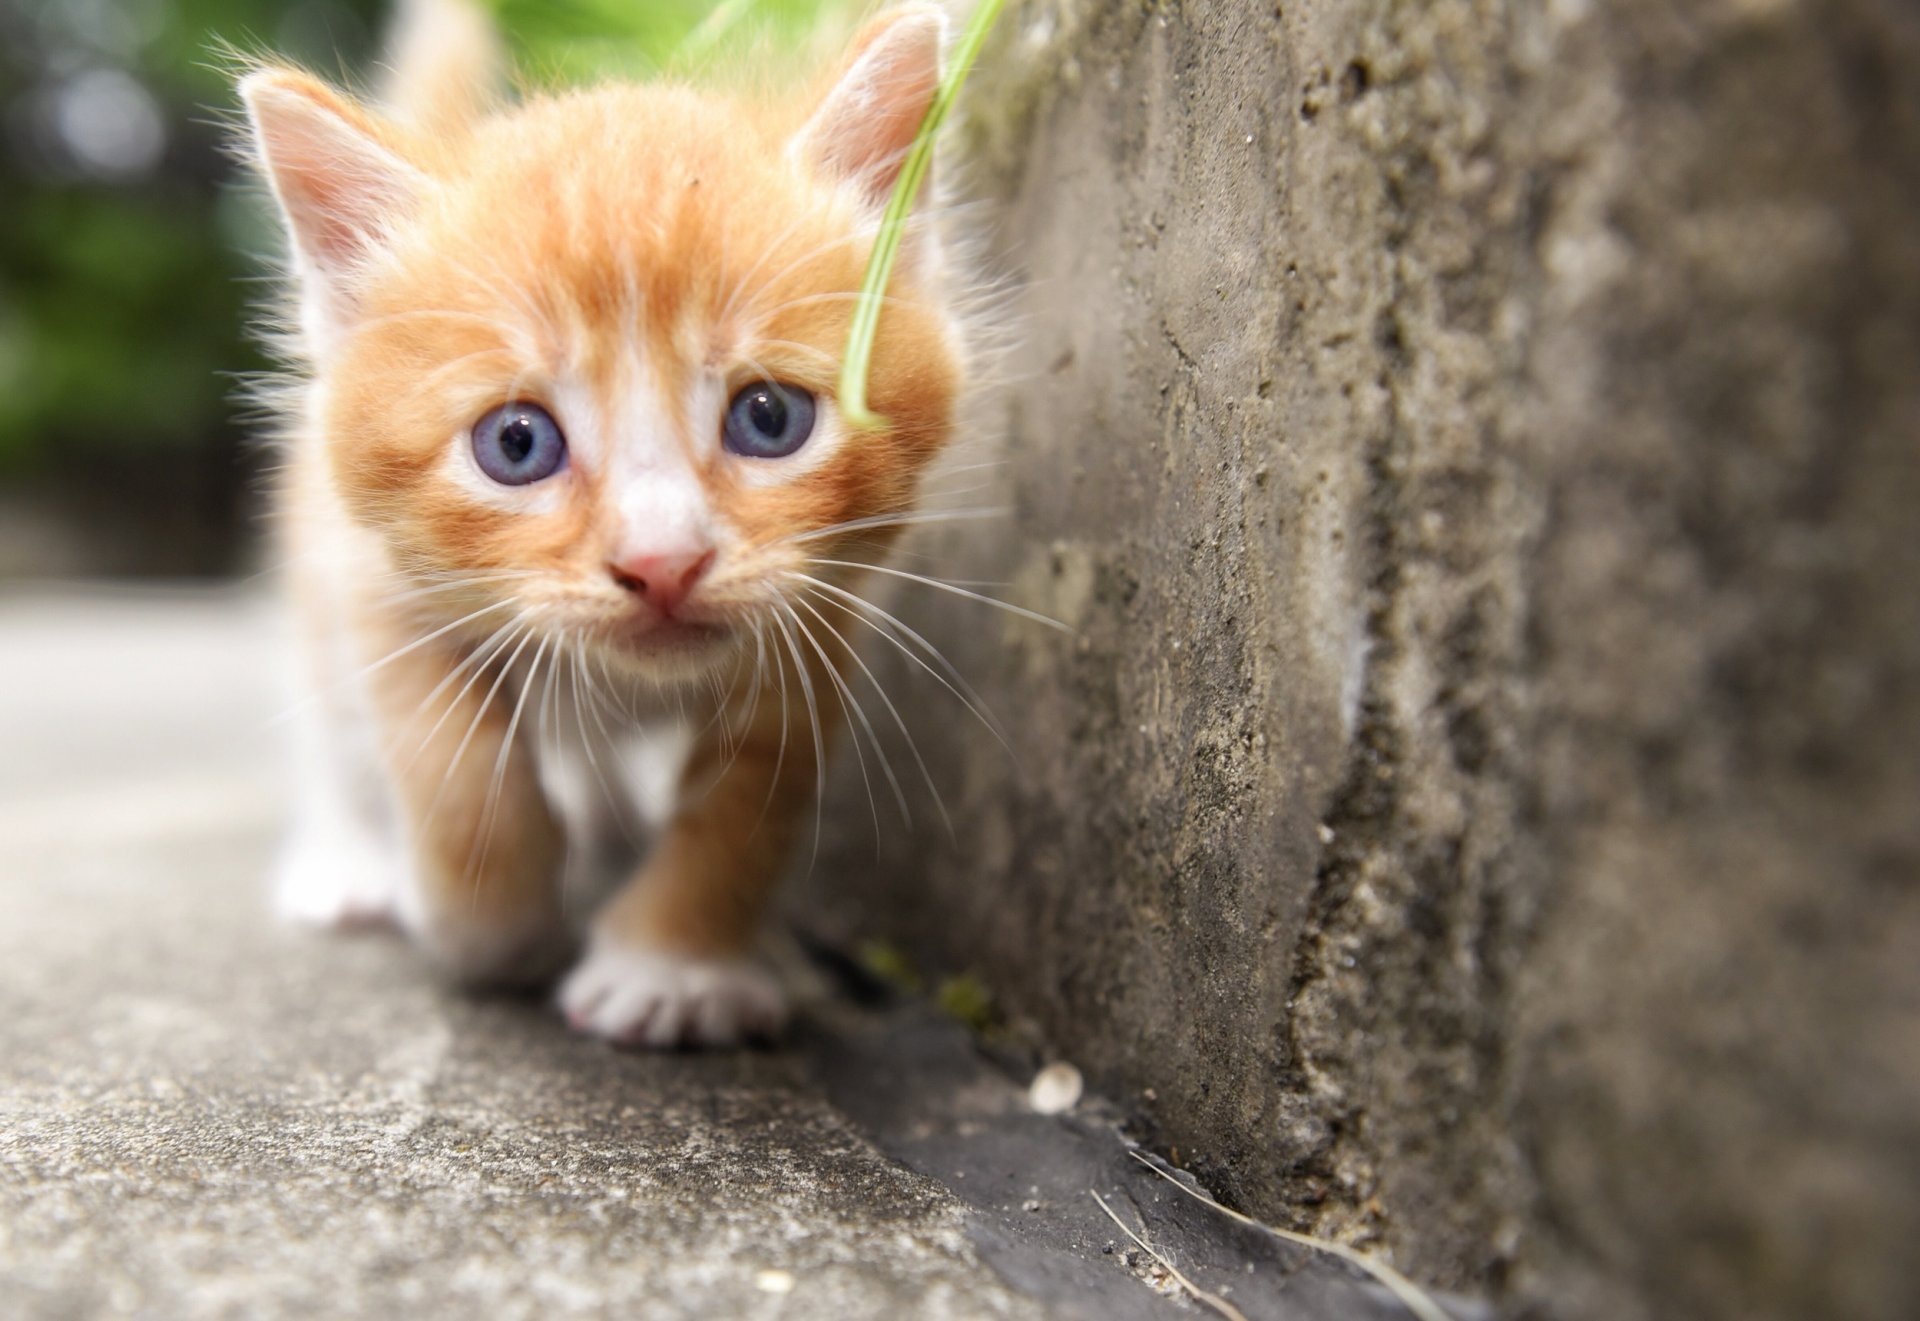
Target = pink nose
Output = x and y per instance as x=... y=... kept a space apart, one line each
x=664 y=581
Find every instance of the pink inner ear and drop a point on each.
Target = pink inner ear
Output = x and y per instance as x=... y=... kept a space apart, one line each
x=863 y=129
x=339 y=218
x=339 y=187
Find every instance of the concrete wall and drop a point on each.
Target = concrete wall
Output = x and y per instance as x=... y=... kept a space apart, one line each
x=1477 y=447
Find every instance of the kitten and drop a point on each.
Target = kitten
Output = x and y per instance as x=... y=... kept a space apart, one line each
x=564 y=455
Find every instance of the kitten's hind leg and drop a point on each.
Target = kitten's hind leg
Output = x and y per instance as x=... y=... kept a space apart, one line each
x=341 y=865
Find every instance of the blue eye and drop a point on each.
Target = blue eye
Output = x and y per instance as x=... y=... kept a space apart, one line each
x=519 y=443
x=768 y=421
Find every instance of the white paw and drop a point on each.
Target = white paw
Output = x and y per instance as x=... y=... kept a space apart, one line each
x=647 y=998
x=341 y=883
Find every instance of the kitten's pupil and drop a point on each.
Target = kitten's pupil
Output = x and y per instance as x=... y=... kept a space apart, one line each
x=517 y=439
x=768 y=413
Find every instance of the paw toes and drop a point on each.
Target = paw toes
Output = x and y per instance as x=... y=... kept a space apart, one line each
x=658 y=1000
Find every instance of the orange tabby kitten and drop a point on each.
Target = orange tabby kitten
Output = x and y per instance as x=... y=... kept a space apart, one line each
x=565 y=456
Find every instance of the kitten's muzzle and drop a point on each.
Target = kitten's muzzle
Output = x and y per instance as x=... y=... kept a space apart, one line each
x=662 y=581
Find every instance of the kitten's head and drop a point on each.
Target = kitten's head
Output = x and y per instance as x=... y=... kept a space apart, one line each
x=581 y=354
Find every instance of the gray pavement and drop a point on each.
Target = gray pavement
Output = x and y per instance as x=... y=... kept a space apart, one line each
x=204 y=1115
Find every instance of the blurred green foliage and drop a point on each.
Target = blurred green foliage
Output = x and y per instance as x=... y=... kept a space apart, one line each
x=563 y=40
x=129 y=258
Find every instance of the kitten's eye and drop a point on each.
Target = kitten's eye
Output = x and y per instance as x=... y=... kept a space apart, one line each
x=769 y=421
x=519 y=443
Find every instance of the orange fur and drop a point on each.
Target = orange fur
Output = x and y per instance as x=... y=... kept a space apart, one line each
x=627 y=257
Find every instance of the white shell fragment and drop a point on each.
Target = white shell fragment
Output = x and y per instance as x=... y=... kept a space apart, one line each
x=1055 y=1089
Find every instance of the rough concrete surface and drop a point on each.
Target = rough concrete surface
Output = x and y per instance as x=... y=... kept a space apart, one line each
x=205 y=1115
x=1475 y=446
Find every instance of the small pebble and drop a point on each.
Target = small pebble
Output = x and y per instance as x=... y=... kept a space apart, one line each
x=1055 y=1090
x=774 y=1281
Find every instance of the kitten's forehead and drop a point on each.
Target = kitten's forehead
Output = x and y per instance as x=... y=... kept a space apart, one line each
x=646 y=213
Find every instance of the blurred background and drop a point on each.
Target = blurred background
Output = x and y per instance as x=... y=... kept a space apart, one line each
x=131 y=249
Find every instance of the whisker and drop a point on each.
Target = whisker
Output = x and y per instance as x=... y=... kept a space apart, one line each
x=819 y=747
x=780 y=757
x=958 y=686
x=478 y=658
x=851 y=708
x=759 y=654
x=422 y=590
x=944 y=586
x=911 y=518
x=498 y=779
x=440 y=632
x=894 y=712
x=384 y=661
x=460 y=752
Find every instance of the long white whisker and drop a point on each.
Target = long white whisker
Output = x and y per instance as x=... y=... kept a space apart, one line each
x=753 y=709
x=819 y=746
x=893 y=711
x=883 y=623
x=498 y=779
x=437 y=633
x=780 y=757
x=943 y=586
x=446 y=776
x=387 y=660
x=910 y=518
x=851 y=708
x=476 y=660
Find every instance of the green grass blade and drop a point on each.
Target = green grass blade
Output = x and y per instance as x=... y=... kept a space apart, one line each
x=893 y=223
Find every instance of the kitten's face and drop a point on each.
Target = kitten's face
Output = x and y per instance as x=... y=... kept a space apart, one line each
x=588 y=370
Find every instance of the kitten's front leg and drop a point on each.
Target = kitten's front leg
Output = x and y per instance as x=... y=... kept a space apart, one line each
x=670 y=958
x=485 y=892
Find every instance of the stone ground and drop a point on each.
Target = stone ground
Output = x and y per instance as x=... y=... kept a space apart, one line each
x=202 y=1114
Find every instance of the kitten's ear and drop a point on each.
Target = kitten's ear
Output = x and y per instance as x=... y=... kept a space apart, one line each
x=863 y=126
x=340 y=185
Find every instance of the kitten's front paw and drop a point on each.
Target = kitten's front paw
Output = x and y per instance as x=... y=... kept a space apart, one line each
x=650 y=998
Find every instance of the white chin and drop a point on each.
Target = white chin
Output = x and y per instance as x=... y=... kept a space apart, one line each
x=667 y=658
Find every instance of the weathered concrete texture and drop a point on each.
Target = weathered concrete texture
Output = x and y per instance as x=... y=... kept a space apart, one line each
x=1476 y=446
x=204 y=1115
